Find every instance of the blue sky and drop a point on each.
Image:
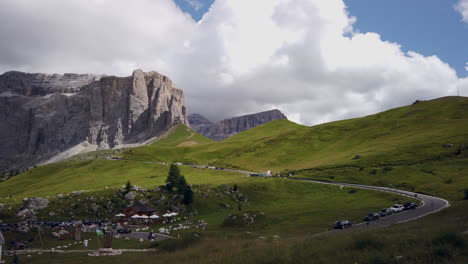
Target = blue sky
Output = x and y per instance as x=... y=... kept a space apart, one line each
x=429 y=27
x=196 y=8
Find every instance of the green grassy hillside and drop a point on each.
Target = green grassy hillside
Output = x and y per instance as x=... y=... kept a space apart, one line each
x=407 y=142
x=404 y=147
x=180 y=136
x=96 y=174
x=409 y=133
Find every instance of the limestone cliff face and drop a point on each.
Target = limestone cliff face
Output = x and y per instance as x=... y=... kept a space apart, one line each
x=45 y=115
x=232 y=126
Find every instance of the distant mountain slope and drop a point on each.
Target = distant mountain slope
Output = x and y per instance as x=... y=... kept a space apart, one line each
x=54 y=116
x=180 y=136
x=232 y=126
x=412 y=132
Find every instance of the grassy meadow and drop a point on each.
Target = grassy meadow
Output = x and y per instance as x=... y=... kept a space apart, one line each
x=421 y=147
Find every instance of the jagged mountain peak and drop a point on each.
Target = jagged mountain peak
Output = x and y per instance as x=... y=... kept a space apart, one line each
x=47 y=115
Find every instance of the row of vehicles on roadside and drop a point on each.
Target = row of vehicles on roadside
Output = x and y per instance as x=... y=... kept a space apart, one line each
x=396 y=208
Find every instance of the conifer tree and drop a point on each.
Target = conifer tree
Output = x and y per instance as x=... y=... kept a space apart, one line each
x=173 y=178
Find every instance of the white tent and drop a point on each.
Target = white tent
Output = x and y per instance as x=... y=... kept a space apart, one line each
x=167 y=215
x=135 y=216
x=144 y=217
x=120 y=215
x=174 y=214
x=154 y=216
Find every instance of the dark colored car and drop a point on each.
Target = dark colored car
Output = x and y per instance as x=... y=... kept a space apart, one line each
x=384 y=212
x=409 y=206
x=371 y=217
x=124 y=230
x=342 y=224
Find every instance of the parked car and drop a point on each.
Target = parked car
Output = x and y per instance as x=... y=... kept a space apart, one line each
x=371 y=217
x=396 y=208
x=342 y=224
x=384 y=212
x=124 y=230
x=409 y=206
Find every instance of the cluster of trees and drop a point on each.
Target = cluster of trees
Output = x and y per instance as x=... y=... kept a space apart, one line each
x=176 y=182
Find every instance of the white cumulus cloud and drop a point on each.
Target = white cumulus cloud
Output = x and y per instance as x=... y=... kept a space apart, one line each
x=462 y=7
x=302 y=56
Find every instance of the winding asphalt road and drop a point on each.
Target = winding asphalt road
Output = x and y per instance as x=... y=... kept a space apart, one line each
x=429 y=204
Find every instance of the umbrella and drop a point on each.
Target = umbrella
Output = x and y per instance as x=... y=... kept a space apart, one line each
x=135 y=216
x=120 y=215
x=154 y=216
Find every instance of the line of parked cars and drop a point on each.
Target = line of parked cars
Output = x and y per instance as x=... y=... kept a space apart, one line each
x=396 y=208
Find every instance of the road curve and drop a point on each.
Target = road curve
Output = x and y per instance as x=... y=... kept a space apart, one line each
x=429 y=204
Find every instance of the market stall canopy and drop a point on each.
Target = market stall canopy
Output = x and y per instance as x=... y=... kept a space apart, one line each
x=120 y=215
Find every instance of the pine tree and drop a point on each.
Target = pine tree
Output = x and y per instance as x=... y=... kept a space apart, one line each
x=173 y=178
x=176 y=182
x=182 y=184
x=128 y=187
x=188 y=195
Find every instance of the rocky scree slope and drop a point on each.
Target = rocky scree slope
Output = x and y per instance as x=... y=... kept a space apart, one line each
x=51 y=117
x=228 y=127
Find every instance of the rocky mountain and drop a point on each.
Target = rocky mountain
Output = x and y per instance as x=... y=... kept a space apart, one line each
x=51 y=117
x=228 y=127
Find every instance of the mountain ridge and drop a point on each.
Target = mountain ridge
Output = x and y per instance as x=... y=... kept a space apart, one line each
x=231 y=126
x=72 y=112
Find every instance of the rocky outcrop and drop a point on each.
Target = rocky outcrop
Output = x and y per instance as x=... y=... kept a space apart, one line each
x=35 y=203
x=232 y=126
x=45 y=116
x=31 y=206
